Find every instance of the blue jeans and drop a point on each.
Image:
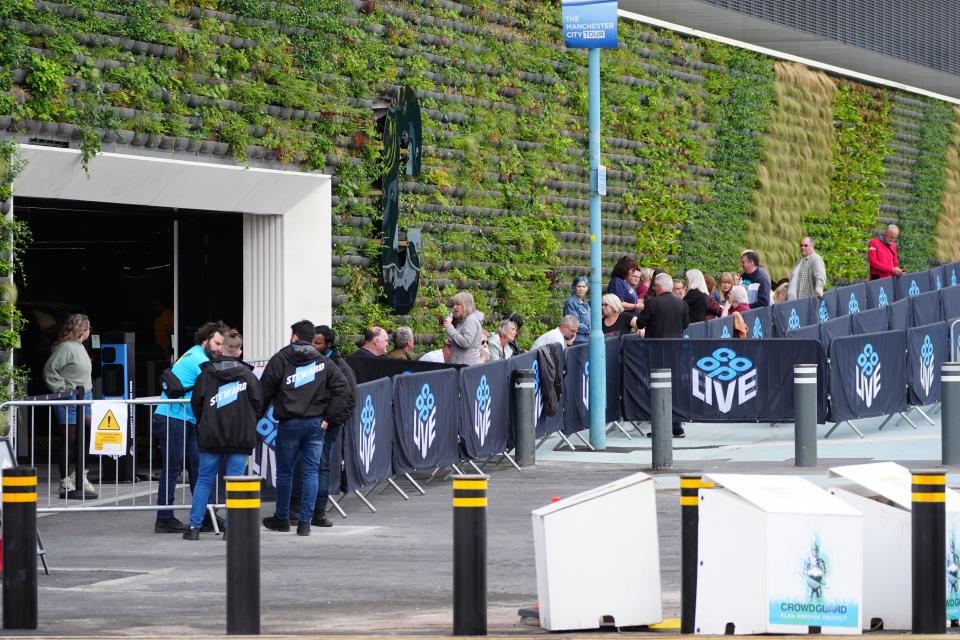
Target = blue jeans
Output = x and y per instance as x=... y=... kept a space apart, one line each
x=67 y=414
x=299 y=440
x=176 y=438
x=209 y=466
x=323 y=478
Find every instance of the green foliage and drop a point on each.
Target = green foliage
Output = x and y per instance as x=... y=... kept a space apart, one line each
x=918 y=220
x=741 y=87
x=861 y=133
x=689 y=128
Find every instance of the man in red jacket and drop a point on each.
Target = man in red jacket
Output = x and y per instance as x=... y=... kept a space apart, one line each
x=882 y=253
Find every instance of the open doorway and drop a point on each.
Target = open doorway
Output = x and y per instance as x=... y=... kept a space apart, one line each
x=131 y=269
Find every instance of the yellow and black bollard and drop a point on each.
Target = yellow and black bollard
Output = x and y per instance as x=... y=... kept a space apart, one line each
x=20 y=548
x=928 y=548
x=690 y=485
x=243 y=555
x=470 y=555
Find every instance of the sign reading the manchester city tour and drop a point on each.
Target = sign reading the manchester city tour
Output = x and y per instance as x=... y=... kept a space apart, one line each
x=589 y=24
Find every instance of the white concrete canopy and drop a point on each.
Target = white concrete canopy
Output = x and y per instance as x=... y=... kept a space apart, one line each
x=287 y=274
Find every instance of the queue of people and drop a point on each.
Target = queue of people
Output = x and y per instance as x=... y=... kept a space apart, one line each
x=311 y=387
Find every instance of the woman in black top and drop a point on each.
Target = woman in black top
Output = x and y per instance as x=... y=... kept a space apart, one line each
x=697 y=297
x=615 y=321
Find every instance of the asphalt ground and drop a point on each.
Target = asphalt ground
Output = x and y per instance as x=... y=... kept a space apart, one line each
x=383 y=573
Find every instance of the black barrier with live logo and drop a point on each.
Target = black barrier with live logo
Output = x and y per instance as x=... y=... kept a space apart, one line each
x=426 y=414
x=867 y=375
x=368 y=437
x=720 y=381
x=791 y=315
x=759 y=323
x=576 y=389
x=545 y=424
x=720 y=328
x=928 y=347
x=912 y=284
x=484 y=407
x=881 y=293
x=825 y=308
x=851 y=299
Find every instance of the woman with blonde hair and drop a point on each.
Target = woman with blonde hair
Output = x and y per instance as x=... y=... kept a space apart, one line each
x=615 y=322
x=67 y=368
x=464 y=326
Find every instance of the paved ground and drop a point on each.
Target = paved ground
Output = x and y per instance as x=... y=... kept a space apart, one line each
x=391 y=572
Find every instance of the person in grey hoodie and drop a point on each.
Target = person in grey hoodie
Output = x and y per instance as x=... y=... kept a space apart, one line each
x=465 y=328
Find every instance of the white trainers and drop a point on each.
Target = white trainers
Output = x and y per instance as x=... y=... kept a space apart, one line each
x=68 y=484
x=87 y=485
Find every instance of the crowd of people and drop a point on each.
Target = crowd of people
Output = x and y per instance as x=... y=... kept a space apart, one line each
x=312 y=388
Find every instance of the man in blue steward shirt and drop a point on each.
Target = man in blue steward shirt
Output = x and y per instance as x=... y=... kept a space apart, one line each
x=175 y=427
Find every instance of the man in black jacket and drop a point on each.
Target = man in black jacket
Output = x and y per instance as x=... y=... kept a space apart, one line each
x=309 y=394
x=665 y=315
x=325 y=343
x=226 y=402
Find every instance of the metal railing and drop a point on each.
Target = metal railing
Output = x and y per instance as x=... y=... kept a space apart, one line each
x=123 y=483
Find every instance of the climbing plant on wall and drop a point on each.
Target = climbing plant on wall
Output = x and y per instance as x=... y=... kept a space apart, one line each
x=948 y=225
x=860 y=136
x=919 y=218
x=503 y=196
x=740 y=88
x=795 y=173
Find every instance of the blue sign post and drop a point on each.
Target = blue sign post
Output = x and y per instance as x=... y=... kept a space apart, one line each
x=592 y=24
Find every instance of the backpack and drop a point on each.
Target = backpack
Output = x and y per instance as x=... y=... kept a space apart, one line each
x=170 y=384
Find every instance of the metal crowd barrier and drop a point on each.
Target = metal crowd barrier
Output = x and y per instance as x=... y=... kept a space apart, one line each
x=121 y=485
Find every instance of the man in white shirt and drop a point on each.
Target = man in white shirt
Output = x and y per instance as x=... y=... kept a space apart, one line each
x=564 y=334
x=438 y=355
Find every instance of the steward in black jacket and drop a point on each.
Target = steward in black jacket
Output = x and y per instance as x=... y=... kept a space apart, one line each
x=227 y=401
x=302 y=383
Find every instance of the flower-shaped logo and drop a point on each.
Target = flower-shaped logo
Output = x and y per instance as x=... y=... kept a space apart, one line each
x=726 y=333
x=882 y=299
x=425 y=402
x=914 y=289
x=868 y=360
x=926 y=365
x=793 y=322
x=926 y=350
x=939 y=282
x=757 y=328
x=483 y=394
x=367 y=415
x=482 y=410
x=724 y=364
x=368 y=433
x=867 y=374
x=854 y=305
x=822 y=312
x=424 y=420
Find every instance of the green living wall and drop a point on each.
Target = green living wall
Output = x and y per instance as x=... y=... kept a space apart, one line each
x=693 y=132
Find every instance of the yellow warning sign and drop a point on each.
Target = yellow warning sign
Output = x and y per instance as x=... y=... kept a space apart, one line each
x=107 y=440
x=109 y=422
x=108 y=428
